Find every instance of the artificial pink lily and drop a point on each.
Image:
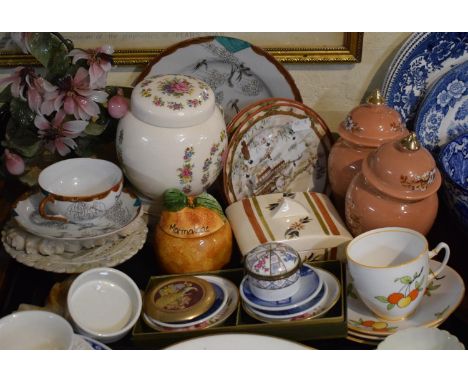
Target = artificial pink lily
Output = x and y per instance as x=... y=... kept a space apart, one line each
x=58 y=135
x=37 y=88
x=76 y=97
x=18 y=81
x=99 y=61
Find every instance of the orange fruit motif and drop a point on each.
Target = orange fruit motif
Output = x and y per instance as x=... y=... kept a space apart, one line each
x=413 y=294
x=368 y=323
x=394 y=298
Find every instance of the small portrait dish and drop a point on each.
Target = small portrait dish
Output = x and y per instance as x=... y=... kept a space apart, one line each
x=453 y=161
x=125 y=210
x=311 y=285
x=104 y=304
x=79 y=189
x=35 y=330
x=421 y=339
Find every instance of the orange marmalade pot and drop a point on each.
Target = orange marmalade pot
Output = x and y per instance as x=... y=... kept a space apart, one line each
x=365 y=128
x=397 y=187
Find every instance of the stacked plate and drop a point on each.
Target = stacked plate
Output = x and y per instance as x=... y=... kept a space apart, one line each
x=318 y=292
x=188 y=304
x=442 y=297
x=74 y=247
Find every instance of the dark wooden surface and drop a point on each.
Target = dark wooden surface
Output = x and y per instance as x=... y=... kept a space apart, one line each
x=22 y=284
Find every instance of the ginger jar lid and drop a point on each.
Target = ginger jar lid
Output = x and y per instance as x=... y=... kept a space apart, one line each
x=189 y=217
x=372 y=123
x=172 y=100
x=403 y=169
x=272 y=261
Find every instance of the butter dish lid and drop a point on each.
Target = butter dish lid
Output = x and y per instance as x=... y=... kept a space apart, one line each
x=179 y=299
x=307 y=221
x=271 y=261
x=172 y=101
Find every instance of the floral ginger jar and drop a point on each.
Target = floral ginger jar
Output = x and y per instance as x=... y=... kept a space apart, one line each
x=174 y=136
x=397 y=187
x=365 y=128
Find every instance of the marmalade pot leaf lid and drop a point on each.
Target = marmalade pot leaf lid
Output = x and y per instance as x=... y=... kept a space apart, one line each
x=373 y=123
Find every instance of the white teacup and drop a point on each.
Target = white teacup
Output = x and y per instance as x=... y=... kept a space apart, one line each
x=390 y=269
x=79 y=189
x=31 y=330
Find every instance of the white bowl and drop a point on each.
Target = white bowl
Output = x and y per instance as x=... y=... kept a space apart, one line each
x=104 y=304
x=31 y=330
x=421 y=339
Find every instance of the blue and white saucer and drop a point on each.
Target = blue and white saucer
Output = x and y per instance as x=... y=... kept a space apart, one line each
x=81 y=342
x=125 y=211
x=315 y=308
x=311 y=285
x=443 y=114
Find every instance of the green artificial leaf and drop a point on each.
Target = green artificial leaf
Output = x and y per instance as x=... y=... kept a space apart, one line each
x=85 y=146
x=30 y=176
x=94 y=129
x=208 y=201
x=406 y=280
x=22 y=115
x=390 y=306
x=174 y=199
x=5 y=95
x=382 y=299
x=51 y=52
x=22 y=140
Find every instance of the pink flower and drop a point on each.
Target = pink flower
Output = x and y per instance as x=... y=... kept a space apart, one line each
x=38 y=87
x=18 y=81
x=99 y=61
x=76 y=97
x=22 y=40
x=58 y=135
x=14 y=163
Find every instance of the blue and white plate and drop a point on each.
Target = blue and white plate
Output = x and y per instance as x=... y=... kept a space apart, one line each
x=81 y=342
x=422 y=59
x=311 y=285
x=332 y=292
x=443 y=114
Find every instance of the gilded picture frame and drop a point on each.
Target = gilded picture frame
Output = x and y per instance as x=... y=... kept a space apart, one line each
x=308 y=47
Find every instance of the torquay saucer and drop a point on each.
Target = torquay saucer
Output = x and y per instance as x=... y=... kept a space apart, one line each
x=218 y=304
x=332 y=295
x=442 y=297
x=126 y=210
x=311 y=285
x=229 y=307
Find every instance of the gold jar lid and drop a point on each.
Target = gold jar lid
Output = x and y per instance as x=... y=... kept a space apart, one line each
x=179 y=299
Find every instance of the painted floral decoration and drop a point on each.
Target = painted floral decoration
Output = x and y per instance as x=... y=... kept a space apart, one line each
x=176 y=87
x=61 y=110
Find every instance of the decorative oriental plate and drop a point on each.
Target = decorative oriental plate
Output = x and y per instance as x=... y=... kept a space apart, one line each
x=442 y=297
x=125 y=211
x=239 y=73
x=281 y=147
x=443 y=114
x=422 y=59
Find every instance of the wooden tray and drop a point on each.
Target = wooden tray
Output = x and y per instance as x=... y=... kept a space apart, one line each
x=330 y=325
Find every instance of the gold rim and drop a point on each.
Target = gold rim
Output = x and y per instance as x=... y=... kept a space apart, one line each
x=378 y=231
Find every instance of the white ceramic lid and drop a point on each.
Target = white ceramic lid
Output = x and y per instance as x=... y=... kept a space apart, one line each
x=172 y=100
x=272 y=261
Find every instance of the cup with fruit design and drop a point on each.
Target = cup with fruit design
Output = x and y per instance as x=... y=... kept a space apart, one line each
x=390 y=269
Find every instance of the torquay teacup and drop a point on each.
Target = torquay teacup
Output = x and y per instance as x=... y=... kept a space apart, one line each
x=390 y=269
x=79 y=189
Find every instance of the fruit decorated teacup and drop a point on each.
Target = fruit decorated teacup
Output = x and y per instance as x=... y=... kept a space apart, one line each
x=390 y=269
x=79 y=189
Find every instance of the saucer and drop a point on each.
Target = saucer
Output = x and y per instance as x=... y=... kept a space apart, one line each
x=311 y=285
x=229 y=307
x=125 y=210
x=332 y=285
x=218 y=304
x=442 y=297
x=81 y=342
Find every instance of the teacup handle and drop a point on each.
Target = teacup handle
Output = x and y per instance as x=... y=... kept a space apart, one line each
x=45 y=215
x=435 y=252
